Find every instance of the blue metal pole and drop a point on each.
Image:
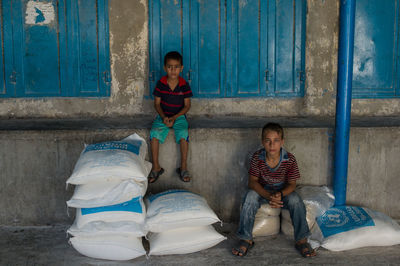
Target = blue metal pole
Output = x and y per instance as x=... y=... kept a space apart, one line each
x=343 y=99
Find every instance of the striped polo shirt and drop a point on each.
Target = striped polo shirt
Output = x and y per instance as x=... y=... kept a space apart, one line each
x=284 y=172
x=172 y=101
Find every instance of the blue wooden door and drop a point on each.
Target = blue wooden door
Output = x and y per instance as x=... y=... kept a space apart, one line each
x=55 y=48
x=39 y=52
x=232 y=48
x=376 y=49
x=267 y=42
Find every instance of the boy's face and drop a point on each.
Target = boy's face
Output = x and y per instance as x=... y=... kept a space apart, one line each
x=272 y=142
x=173 y=68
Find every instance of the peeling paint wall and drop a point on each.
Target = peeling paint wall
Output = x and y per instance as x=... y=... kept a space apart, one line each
x=128 y=21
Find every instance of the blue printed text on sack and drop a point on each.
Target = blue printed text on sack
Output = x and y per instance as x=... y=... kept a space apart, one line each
x=115 y=145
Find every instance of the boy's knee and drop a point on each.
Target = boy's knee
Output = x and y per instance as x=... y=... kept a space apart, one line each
x=294 y=199
x=251 y=197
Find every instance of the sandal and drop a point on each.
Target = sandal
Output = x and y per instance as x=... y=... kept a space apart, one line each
x=183 y=175
x=305 y=249
x=154 y=175
x=242 y=248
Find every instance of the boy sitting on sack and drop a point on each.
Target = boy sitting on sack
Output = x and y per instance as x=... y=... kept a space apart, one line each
x=272 y=179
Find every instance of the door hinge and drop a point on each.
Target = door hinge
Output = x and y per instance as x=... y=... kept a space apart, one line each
x=268 y=76
x=106 y=76
x=151 y=76
x=13 y=77
x=189 y=76
x=301 y=75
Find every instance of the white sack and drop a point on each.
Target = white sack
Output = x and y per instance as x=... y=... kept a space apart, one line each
x=266 y=210
x=176 y=209
x=100 y=228
x=184 y=240
x=349 y=227
x=133 y=211
x=116 y=247
x=317 y=198
x=267 y=221
x=106 y=193
x=113 y=160
x=266 y=226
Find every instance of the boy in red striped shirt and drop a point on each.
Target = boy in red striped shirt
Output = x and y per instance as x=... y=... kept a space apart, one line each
x=272 y=178
x=171 y=101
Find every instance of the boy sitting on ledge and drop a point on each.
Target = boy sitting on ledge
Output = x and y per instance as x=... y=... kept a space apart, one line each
x=272 y=178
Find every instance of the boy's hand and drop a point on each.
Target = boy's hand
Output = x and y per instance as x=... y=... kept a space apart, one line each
x=275 y=200
x=171 y=121
x=167 y=122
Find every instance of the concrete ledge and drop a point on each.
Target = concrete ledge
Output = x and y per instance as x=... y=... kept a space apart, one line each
x=208 y=121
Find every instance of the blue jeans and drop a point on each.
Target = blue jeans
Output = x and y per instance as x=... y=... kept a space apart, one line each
x=292 y=202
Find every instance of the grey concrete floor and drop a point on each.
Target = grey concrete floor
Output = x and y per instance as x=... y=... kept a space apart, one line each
x=48 y=245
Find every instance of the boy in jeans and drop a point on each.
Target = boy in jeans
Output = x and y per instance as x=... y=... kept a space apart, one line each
x=272 y=178
x=171 y=101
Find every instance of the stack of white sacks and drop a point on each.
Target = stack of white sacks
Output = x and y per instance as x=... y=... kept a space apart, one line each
x=179 y=222
x=110 y=181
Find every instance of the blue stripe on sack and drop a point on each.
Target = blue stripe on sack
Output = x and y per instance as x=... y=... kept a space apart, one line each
x=343 y=218
x=129 y=206
x=116 y=145
x=153 y=197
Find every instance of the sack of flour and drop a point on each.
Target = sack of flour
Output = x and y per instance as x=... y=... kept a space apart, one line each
x=267 y=221
x=116 y=247
x=350 y=227
x=112 y=160
x=176 y=209
x=106 y=193
x=132 y=210
x=317 y=199
x=184 y=240
x=100 y=228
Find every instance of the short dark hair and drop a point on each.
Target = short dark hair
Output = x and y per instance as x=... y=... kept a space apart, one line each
x=272 y=127
x=173 y=55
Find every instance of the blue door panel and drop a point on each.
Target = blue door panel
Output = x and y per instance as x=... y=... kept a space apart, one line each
x=248 y=34
x=9 y=73
x=90 y=71
x=166 y=35
x=2 y=66
x=375 y=49
x=284 y=47
x=207 y=43
x=36 y=31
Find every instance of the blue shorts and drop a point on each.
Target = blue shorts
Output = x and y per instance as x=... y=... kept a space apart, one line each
x=160 y=131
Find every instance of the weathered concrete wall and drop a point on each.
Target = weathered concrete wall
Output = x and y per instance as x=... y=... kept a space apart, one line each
x=36 y=164
x=129 y=68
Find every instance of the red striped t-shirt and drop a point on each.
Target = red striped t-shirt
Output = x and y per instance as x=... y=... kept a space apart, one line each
x=286 y=170
x=172 y=101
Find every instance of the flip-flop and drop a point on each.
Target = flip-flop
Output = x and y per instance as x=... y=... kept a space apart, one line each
x=305 y=249
x=240 y=251
x=183 y=174
x=155 y=175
